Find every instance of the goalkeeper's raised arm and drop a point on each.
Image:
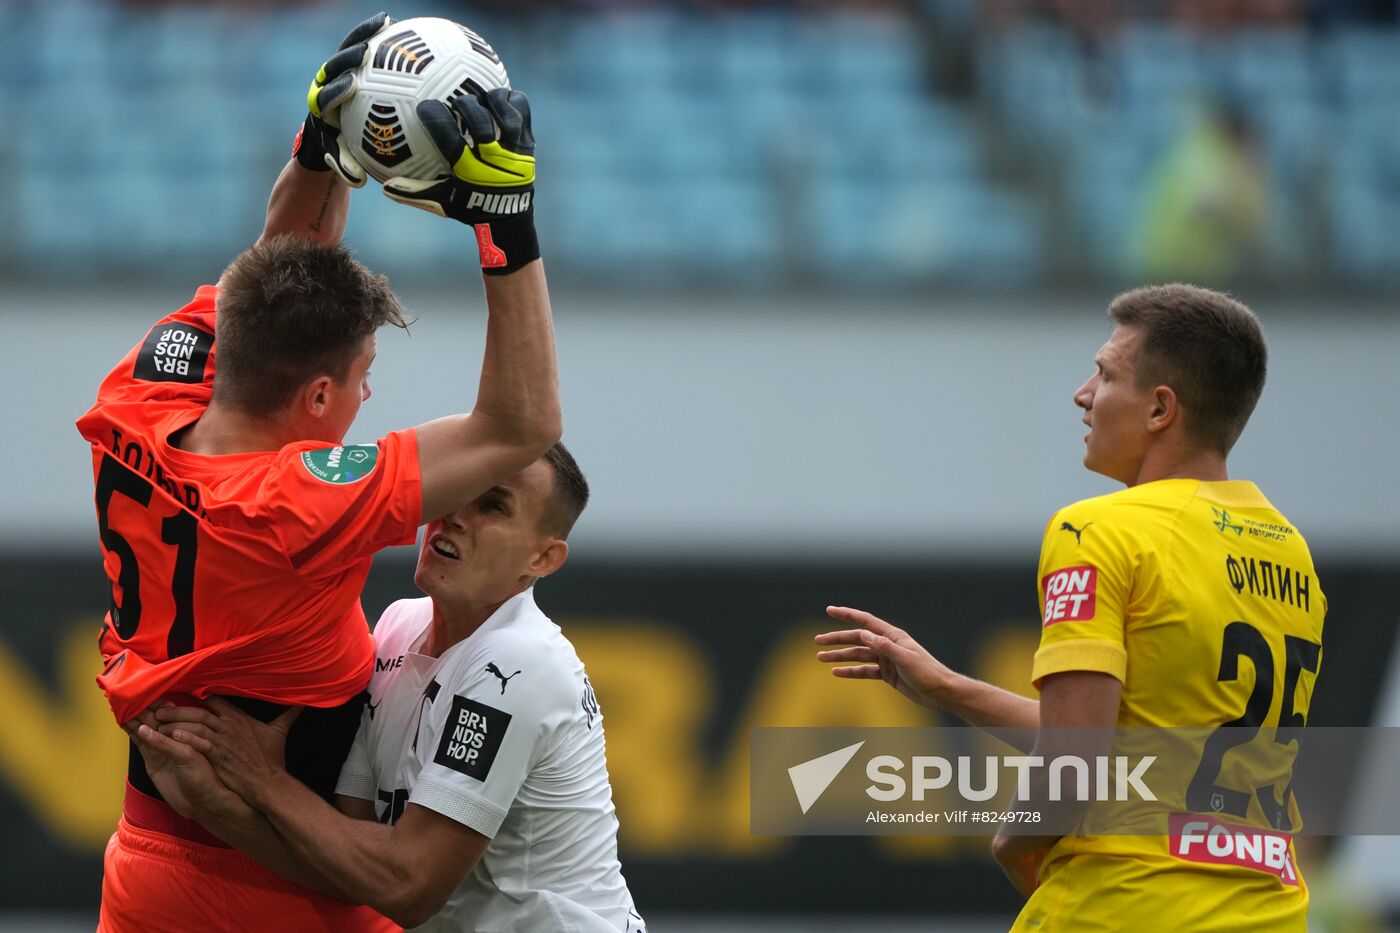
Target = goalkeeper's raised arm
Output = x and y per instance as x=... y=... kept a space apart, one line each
x=491 y=190
x=312 y=195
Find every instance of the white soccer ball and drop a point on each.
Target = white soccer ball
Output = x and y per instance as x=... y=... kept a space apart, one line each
x=425 y=58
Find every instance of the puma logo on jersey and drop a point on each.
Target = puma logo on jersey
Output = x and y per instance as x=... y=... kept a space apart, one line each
x=492 y=669
x=1066 y=526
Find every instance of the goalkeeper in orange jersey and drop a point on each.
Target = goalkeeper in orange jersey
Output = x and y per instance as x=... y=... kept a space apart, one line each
x=237 y=526
x=1184 y=600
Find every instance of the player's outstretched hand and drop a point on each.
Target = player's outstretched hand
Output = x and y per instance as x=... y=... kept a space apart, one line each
x=184 y=777
x=489 y=145
x=883 y=652
x=246 y=754
x=318 y=147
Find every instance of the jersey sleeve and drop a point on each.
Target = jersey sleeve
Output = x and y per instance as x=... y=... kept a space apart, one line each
x=357 y=773
x=330 y=506
x=483 y=740
x=174 y=360
x=1086 y=580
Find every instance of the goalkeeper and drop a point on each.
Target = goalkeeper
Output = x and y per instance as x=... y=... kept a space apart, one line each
x=237 y=527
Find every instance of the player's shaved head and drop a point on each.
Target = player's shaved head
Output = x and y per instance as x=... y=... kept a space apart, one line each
x=1207 y=347
x=290 y=310
x=568 y=493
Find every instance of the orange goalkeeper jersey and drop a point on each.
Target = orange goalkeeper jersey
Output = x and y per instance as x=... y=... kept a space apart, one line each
x=237 y=574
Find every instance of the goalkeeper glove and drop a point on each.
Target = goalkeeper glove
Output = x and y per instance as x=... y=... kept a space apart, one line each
x=318 y=145
x=491 y=184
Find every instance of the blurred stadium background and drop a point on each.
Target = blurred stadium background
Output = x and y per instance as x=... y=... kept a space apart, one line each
x=826 y=275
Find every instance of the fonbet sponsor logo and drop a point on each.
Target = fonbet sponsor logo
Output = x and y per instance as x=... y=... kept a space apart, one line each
x=1070 y=594
x=1210 y=841
x=1070 y=777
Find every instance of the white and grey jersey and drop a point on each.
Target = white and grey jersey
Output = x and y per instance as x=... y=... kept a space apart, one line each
x=503 y=734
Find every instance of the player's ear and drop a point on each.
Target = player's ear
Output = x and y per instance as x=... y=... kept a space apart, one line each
x=1165 y=409
x=316 y=396
x=550 y=558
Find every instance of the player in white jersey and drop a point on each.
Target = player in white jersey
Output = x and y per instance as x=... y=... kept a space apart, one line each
x=503 y=734
x=476 y=794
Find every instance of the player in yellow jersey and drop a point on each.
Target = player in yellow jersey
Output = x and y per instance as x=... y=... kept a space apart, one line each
x=1184 y=600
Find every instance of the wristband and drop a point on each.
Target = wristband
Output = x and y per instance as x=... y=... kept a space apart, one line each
x=307 y=148
x=507 y=244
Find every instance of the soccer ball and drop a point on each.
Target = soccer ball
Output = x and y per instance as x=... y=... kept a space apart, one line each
x=418 y=59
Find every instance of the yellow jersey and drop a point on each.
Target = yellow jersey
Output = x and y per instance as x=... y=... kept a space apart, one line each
x=1202 y=600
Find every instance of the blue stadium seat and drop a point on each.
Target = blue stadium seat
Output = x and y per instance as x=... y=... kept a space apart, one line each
x=741 y=54
x=615 y=54
x=388 y=235
x=868 y=51
x=921 y=231
x=1046 y=90
x=67 y=42
x=725 y=225
x=1364 y=246
x=997 y=241
x=43 y=227
x=1272 y=65
x=1363 y=64
x=1155 y=59
x=282 y=50
x=1105 y=194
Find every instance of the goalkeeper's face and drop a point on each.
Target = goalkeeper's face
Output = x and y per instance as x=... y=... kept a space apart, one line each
x=494 y=546
x=343 y=398
x=1116 y=409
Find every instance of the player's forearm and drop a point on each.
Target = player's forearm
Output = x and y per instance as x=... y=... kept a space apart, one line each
x=1020 y=855
x=1066 y=735
x=516 y=417
x=251 y=833
x=353 y=855
x=519 y=390
x=1009 y=716
x=309 y=204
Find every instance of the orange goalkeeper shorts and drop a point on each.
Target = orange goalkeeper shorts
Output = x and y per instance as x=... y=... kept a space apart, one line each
x=155 y=883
